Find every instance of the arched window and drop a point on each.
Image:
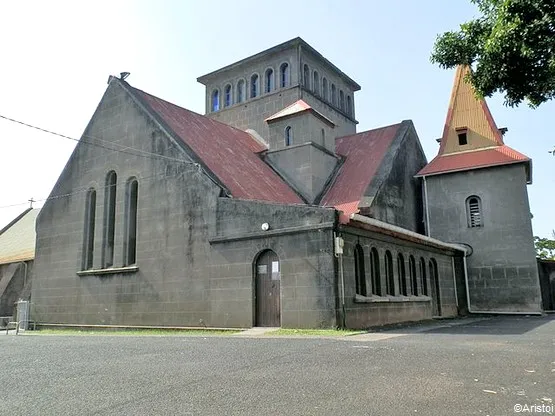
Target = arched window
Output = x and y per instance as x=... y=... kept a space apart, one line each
x=412 y=275
x=306 y=76
x=333 y=95
x=88 y=235
x=316 y=83
x=389 y=277
x=269 y=80
x=254 y=86
x=130 y=229
x=288 y=136
x=401 y=276
x=341 y=100
x=474 y=212
x=284 y=75
x=434 y=283
x=215 y=100
x=240 y=96
x=423 y=279
x=349 y=105
x=375 y=271
x=360 y=277
x=109 y=220
x=324 y=88
x=227 y=96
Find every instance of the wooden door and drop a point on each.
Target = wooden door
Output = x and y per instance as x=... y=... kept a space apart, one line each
x=267 y=282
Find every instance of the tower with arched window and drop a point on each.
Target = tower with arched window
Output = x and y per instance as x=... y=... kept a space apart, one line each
x=475 y=192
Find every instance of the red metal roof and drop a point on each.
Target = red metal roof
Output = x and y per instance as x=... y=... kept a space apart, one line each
x=481 y=158
x=229 y=153
x=364 y=153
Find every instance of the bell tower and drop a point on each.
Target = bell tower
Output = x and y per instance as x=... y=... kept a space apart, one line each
x=475 y=192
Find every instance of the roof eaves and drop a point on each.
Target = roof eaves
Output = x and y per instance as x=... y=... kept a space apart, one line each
x=15 y=220
x=489 y=165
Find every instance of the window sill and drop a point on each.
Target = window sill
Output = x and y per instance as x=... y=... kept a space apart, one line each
x=112 y=270
x=390 y=299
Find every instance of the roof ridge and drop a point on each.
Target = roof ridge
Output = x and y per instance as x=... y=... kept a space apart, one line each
x=369 y=131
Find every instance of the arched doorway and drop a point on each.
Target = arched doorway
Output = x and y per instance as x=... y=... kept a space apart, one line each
x=267 y=279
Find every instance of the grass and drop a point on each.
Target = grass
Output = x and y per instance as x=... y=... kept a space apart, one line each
x=315 y=332
x=132 y=332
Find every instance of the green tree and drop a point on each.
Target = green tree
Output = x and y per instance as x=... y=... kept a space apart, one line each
x=511 y=48
x=545 y=248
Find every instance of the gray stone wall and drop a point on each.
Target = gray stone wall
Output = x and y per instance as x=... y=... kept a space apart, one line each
x=305 y=128
x=308 y=286
x=306 y=167
x=372 y=310
x=502 y=270
x=395 y=195
x=176 y=214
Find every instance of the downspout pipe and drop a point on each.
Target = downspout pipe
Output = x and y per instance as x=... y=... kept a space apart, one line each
x=426 y=210
x=341 y=285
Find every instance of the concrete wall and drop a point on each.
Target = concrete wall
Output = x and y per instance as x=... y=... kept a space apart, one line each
x=502 y=270
x=308 y=286
x=395 y=194
x=176 y=214
x=305 y=127
x=306 y=167
x=15 y=279
x=363 y=312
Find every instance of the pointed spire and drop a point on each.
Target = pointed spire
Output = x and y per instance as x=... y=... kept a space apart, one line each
x=469 y=124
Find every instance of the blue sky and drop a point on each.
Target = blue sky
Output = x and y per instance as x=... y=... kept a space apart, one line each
x=57 y=58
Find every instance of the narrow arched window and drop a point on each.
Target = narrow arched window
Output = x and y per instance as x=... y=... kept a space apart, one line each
x=323 y=137
x=401 y=275
x=130 y=229
x=240 y=96
x=284 y=75
x=474 y=212
x=316 y=83
x=413 y=276
x=333 y=95
x=269 y=80
x=423 y=278
x=375 y=271
x=360 y=277
x=254 y=86
x=88 y=235
x=389 y=277
x=306 y=76
x=215 y=100
x=341 y=100
x=109 y=220
x=434 y=283
x=349 y=105
x=324 y=88
x=288 y=136
x=227 y=95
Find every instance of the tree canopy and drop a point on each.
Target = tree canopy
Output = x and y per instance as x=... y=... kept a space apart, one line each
x=511 y=48
x=545 y=248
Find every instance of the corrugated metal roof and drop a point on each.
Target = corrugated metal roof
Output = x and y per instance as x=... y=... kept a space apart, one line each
x=364 y=153
x=17 y=241
x=229 y=153
x=453 y=162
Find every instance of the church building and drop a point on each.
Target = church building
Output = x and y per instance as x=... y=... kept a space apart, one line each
x=272 y=210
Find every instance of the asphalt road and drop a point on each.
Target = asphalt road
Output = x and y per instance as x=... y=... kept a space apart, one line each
x=479 y=368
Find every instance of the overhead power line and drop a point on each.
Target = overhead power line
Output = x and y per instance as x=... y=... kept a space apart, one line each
x=109 y=144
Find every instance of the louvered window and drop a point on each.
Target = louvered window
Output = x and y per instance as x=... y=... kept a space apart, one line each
x=474 y=212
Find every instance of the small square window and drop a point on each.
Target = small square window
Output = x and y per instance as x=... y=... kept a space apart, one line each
x=462 y=135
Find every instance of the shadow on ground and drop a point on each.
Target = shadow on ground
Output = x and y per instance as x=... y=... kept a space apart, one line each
x=497 y=325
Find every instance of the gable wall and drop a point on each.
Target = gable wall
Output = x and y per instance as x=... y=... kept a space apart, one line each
x=395 y=195
x=176 y=211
